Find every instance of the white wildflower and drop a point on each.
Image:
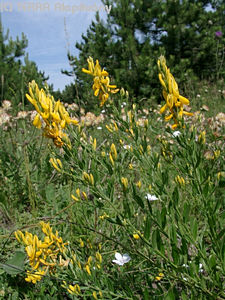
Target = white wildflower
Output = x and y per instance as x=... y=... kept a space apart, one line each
x=121 y=259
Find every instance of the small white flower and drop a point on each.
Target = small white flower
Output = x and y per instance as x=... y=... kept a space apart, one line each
x=151 y=197
x=99 y=127
x=126 y=147
x=201 y=268
x=121 y=259
x=103 y=111
x=198 y=96
x=176 y=133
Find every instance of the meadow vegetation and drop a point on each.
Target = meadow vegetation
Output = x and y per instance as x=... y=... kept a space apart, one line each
x=123 y=203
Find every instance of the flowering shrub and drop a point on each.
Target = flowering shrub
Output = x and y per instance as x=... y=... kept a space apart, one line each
x=126 y=196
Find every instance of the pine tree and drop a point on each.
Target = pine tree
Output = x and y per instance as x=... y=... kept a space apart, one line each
x=136 y=32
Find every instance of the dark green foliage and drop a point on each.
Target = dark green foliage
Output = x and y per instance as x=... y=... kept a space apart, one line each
x=136 y=32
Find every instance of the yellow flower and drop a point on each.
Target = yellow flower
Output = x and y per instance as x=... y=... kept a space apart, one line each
x=174 y=101
x=101 y=85
x=98 y=257
x=113 y=151
x=180 y=180
x=54 y=115
x=136 y=236
x=57 y=164
x=81 y=243
x=34 y=276
x=87 y=268
x=44 y=254
x=201 y=137
x=124 y=182
x=138 y=184
x=159 y=277
x=74 y=289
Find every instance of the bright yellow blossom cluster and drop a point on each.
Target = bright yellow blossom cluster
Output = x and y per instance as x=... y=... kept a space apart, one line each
x=174 y=101
x=52 y=112
x=43 y=255
x=101 y=85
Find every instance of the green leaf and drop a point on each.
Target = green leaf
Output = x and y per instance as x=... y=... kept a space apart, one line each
x=212 y=261
x=175 y=253
x=194 y=228
x=163 y=217
x=15 y=265
x=186 y=212
x=137 y=198
x=156 y=240
x=170 y=296
x=175 y=196
x=147 y=228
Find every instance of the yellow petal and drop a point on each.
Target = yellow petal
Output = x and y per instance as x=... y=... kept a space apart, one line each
x=184 y=100
x=86 y=71
x=163 y=109
x=162 y=82
x=37 y=121
x=167 y=118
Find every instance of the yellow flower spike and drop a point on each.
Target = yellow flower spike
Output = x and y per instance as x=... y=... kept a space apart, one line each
x=79 y=265
x=121 y=142
x=130 y=166
x=115 y=126
x=111 y=159
x=180 y=180
x=87 y=268
x=146 y=124
x=174 y=101
x=81 y=243
x=19 y=236
x=84 y=195
x=78 y=192
x=138 y=184
x=113 y=151
x=141 y=150
x=74 y=290
x=54 y=163
x=100 y=294
x=136 y=236
x=37 y=121
x=74 y=198
x=54 y=115
x=216 y=154
x=131 y=131
x=59 y=163
x=109 y=128
x=201 y=137
x=124 y=182
x=86 y=177
x=103 y=154
x=130 y=116
x=91 y=178
x=149 y=149
x=94 y=144
x=159 y=277
x=94 y=294
x=101 y=85
x=98 y=257
x=104 y=216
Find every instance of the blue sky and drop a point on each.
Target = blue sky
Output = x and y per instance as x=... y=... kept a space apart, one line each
x=43 y=23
